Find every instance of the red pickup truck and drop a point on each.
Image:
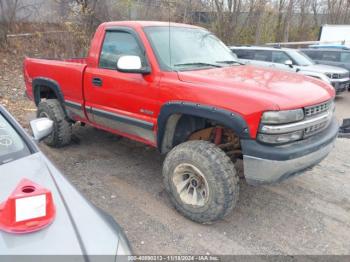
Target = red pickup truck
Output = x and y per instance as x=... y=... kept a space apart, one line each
x=179 y=88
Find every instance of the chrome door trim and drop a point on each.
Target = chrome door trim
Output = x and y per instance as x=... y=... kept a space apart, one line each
x=74 y=108
x=122 y=123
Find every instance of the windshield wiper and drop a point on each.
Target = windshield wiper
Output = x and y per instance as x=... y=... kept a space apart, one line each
x=230 y=62
x=197 y=64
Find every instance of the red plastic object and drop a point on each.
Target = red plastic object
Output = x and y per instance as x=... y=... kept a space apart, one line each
x=29 y=208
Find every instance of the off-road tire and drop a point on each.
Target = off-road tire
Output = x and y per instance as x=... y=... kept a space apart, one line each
x=219 y=172
x=62 y=129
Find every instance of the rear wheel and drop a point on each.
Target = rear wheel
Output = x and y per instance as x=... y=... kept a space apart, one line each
x=201 y=180
x=62 y=129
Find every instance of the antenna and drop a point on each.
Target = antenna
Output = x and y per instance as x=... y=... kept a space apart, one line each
x=169 y=2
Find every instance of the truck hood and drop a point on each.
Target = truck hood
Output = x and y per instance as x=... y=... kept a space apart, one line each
x=319 y=68
x=70 y=233
x=283 y=89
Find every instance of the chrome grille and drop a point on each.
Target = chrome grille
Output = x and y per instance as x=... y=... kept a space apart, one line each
x=317 y=109
x=335 y=76
x=338 y=76
x=344 y=75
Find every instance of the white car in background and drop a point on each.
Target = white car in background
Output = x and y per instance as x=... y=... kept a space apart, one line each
x=293 y=60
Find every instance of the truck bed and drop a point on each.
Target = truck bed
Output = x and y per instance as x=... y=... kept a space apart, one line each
x=68 y=74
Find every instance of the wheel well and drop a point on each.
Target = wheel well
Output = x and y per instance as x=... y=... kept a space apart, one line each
x=44 y=92
x=48 y=91
x=182 y=127
x=171 y=130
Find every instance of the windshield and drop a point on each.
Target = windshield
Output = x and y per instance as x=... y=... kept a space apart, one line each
x=300 y=58
x=12 y=146
x=191 y=48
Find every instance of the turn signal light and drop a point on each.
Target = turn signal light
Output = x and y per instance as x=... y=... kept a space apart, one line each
x=29 y=208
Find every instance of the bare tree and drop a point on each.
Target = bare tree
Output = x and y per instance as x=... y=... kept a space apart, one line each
x=234 y=21
x=9 y=10
x=287 y=20
x=279 y=24
x=260 y=10
x=334 y=10
x=315 y=11
x=226 y=18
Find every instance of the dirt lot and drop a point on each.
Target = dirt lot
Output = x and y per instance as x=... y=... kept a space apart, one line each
x=309 y=214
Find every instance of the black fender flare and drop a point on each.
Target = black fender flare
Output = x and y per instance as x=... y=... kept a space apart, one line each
x=222 y=116
x=52 y=84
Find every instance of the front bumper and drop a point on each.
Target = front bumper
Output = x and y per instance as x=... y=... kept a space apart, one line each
x=340 y=85
x=266 y=164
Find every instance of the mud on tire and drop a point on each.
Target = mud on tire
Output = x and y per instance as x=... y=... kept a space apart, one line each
x=218 y=172
x=62 y=129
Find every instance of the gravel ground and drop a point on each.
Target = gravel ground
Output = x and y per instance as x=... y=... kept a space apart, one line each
x=308 y=214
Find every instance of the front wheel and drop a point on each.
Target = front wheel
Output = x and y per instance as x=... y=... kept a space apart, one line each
x=201 y=180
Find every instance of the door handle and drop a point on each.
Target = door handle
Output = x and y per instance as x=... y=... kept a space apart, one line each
x=96 y=81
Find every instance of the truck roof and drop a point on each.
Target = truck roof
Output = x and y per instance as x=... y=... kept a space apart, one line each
x=146 y=24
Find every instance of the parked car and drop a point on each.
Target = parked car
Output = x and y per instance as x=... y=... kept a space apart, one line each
x=327 y=56
x=195 y=102
x=330 y=46
x=41 y=212
x=294 y=60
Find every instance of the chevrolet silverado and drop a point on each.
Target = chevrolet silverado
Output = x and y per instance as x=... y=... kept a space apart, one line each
x=177 y=87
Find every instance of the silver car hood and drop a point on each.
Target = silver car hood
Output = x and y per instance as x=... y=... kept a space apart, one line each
x=73 y=231
x=324 y=69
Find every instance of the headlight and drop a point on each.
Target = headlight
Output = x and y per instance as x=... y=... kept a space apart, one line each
x=282 y=117
x=274 y=118
x=281 y=138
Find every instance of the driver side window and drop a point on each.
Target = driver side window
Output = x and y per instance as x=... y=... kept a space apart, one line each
x=345 y=57
x=116 y=44
x=279 y=57
x=262 y=55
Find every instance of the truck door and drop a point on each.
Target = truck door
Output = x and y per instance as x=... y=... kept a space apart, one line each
x=124 y=103
x=262 y=58
x=279 y=59
x=345 y=60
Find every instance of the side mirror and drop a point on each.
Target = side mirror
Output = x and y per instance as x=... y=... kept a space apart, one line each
x=131 y=64
x=41 y=127
x=289 y=63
